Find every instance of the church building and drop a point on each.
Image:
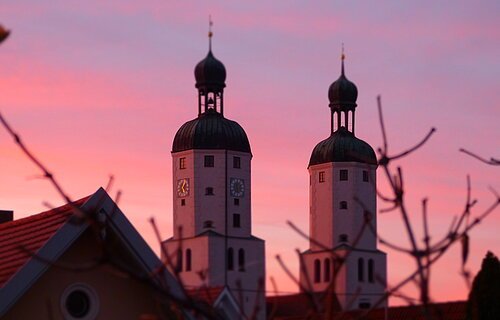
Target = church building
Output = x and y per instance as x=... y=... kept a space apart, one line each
x=212 y=244
x=343 y=255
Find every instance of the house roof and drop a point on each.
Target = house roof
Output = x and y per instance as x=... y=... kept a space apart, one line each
x=299 y=306
x=50 y=234
x=205 y=294
x=22 y=238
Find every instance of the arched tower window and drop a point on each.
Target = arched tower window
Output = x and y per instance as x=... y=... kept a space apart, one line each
x=327 y=270
x=317 y=271
x=188 y=259
x=371 y=266
x=361 y=270
x=241 y=260
x=230 y=259
x=179 y=260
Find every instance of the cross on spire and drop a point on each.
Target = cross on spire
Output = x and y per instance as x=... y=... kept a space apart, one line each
x=342 y=58
x=210 y=33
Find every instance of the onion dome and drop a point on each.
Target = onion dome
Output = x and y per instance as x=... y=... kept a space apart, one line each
x=343 y=93
x=342 y=146
x=210 y=73
x=211 y=130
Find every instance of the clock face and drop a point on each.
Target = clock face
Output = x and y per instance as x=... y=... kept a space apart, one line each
x=237 y=187
x=183 y=187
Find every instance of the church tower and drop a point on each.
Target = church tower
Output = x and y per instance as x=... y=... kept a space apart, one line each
x=212 y=245
x=342 y=204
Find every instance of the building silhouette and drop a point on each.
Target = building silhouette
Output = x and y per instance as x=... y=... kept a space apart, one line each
x=212 y=244
x=343 y=206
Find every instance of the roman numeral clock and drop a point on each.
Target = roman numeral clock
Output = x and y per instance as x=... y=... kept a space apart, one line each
x=237 y=187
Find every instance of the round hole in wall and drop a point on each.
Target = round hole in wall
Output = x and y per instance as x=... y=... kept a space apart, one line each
x=79 y=302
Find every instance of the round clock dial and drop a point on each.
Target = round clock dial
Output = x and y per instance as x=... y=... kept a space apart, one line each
x=237 y=187
x=183 y=187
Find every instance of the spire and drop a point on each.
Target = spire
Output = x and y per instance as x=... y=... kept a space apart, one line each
x=210 y=33
x=210 y=75
x=342 y=58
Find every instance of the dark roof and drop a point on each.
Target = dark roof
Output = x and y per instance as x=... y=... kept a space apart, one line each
x=343 y=93
x=298 y=306
x=342 y=146
x=22 y=238
x=210 y=73
x=211 y=131
x=205 y=294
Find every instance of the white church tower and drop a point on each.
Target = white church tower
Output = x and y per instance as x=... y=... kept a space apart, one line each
x=342 y=196
x=212 y=245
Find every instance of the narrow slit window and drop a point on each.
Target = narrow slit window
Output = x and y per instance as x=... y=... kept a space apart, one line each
x=327 y=270
x=183 y=202
x=188 y=259
x=361 y=271
x=317 y=271
x=371 y=266
x=241 y=260
x=230 y=259
x=179 y=260
x=236 y=220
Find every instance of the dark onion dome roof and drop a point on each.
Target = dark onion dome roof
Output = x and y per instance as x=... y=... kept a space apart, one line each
x=342 y=146
x=343 y=93
x=211 y=131
x=210 y=73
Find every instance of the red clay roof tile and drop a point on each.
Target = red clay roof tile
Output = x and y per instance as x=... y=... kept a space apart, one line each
x=19 y=239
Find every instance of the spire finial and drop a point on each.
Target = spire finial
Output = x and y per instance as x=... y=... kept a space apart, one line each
x=210 y=33
x=342 y=57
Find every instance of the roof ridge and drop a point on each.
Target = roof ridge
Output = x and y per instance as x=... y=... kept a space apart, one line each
x=39 y=216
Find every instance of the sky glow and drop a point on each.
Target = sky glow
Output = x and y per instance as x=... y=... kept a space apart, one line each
x=100 y=88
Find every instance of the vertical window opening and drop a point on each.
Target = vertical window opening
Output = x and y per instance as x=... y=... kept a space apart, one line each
x=230 y=259
x=236 y=220
x=236 y=201
x=322 y=176
x=179 y=260
x=209 y=191
x=361 y=267
x=317 y=271
x=183 y=202
x=237 y=162
x=182 y=163
x=343 y=175
x=209 y=161
x=371 y=277
x=188 y=259
x=327 y=270
x=343 y=205
x=241 y=260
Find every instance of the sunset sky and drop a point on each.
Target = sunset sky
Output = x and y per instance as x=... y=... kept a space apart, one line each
x=100 y=87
